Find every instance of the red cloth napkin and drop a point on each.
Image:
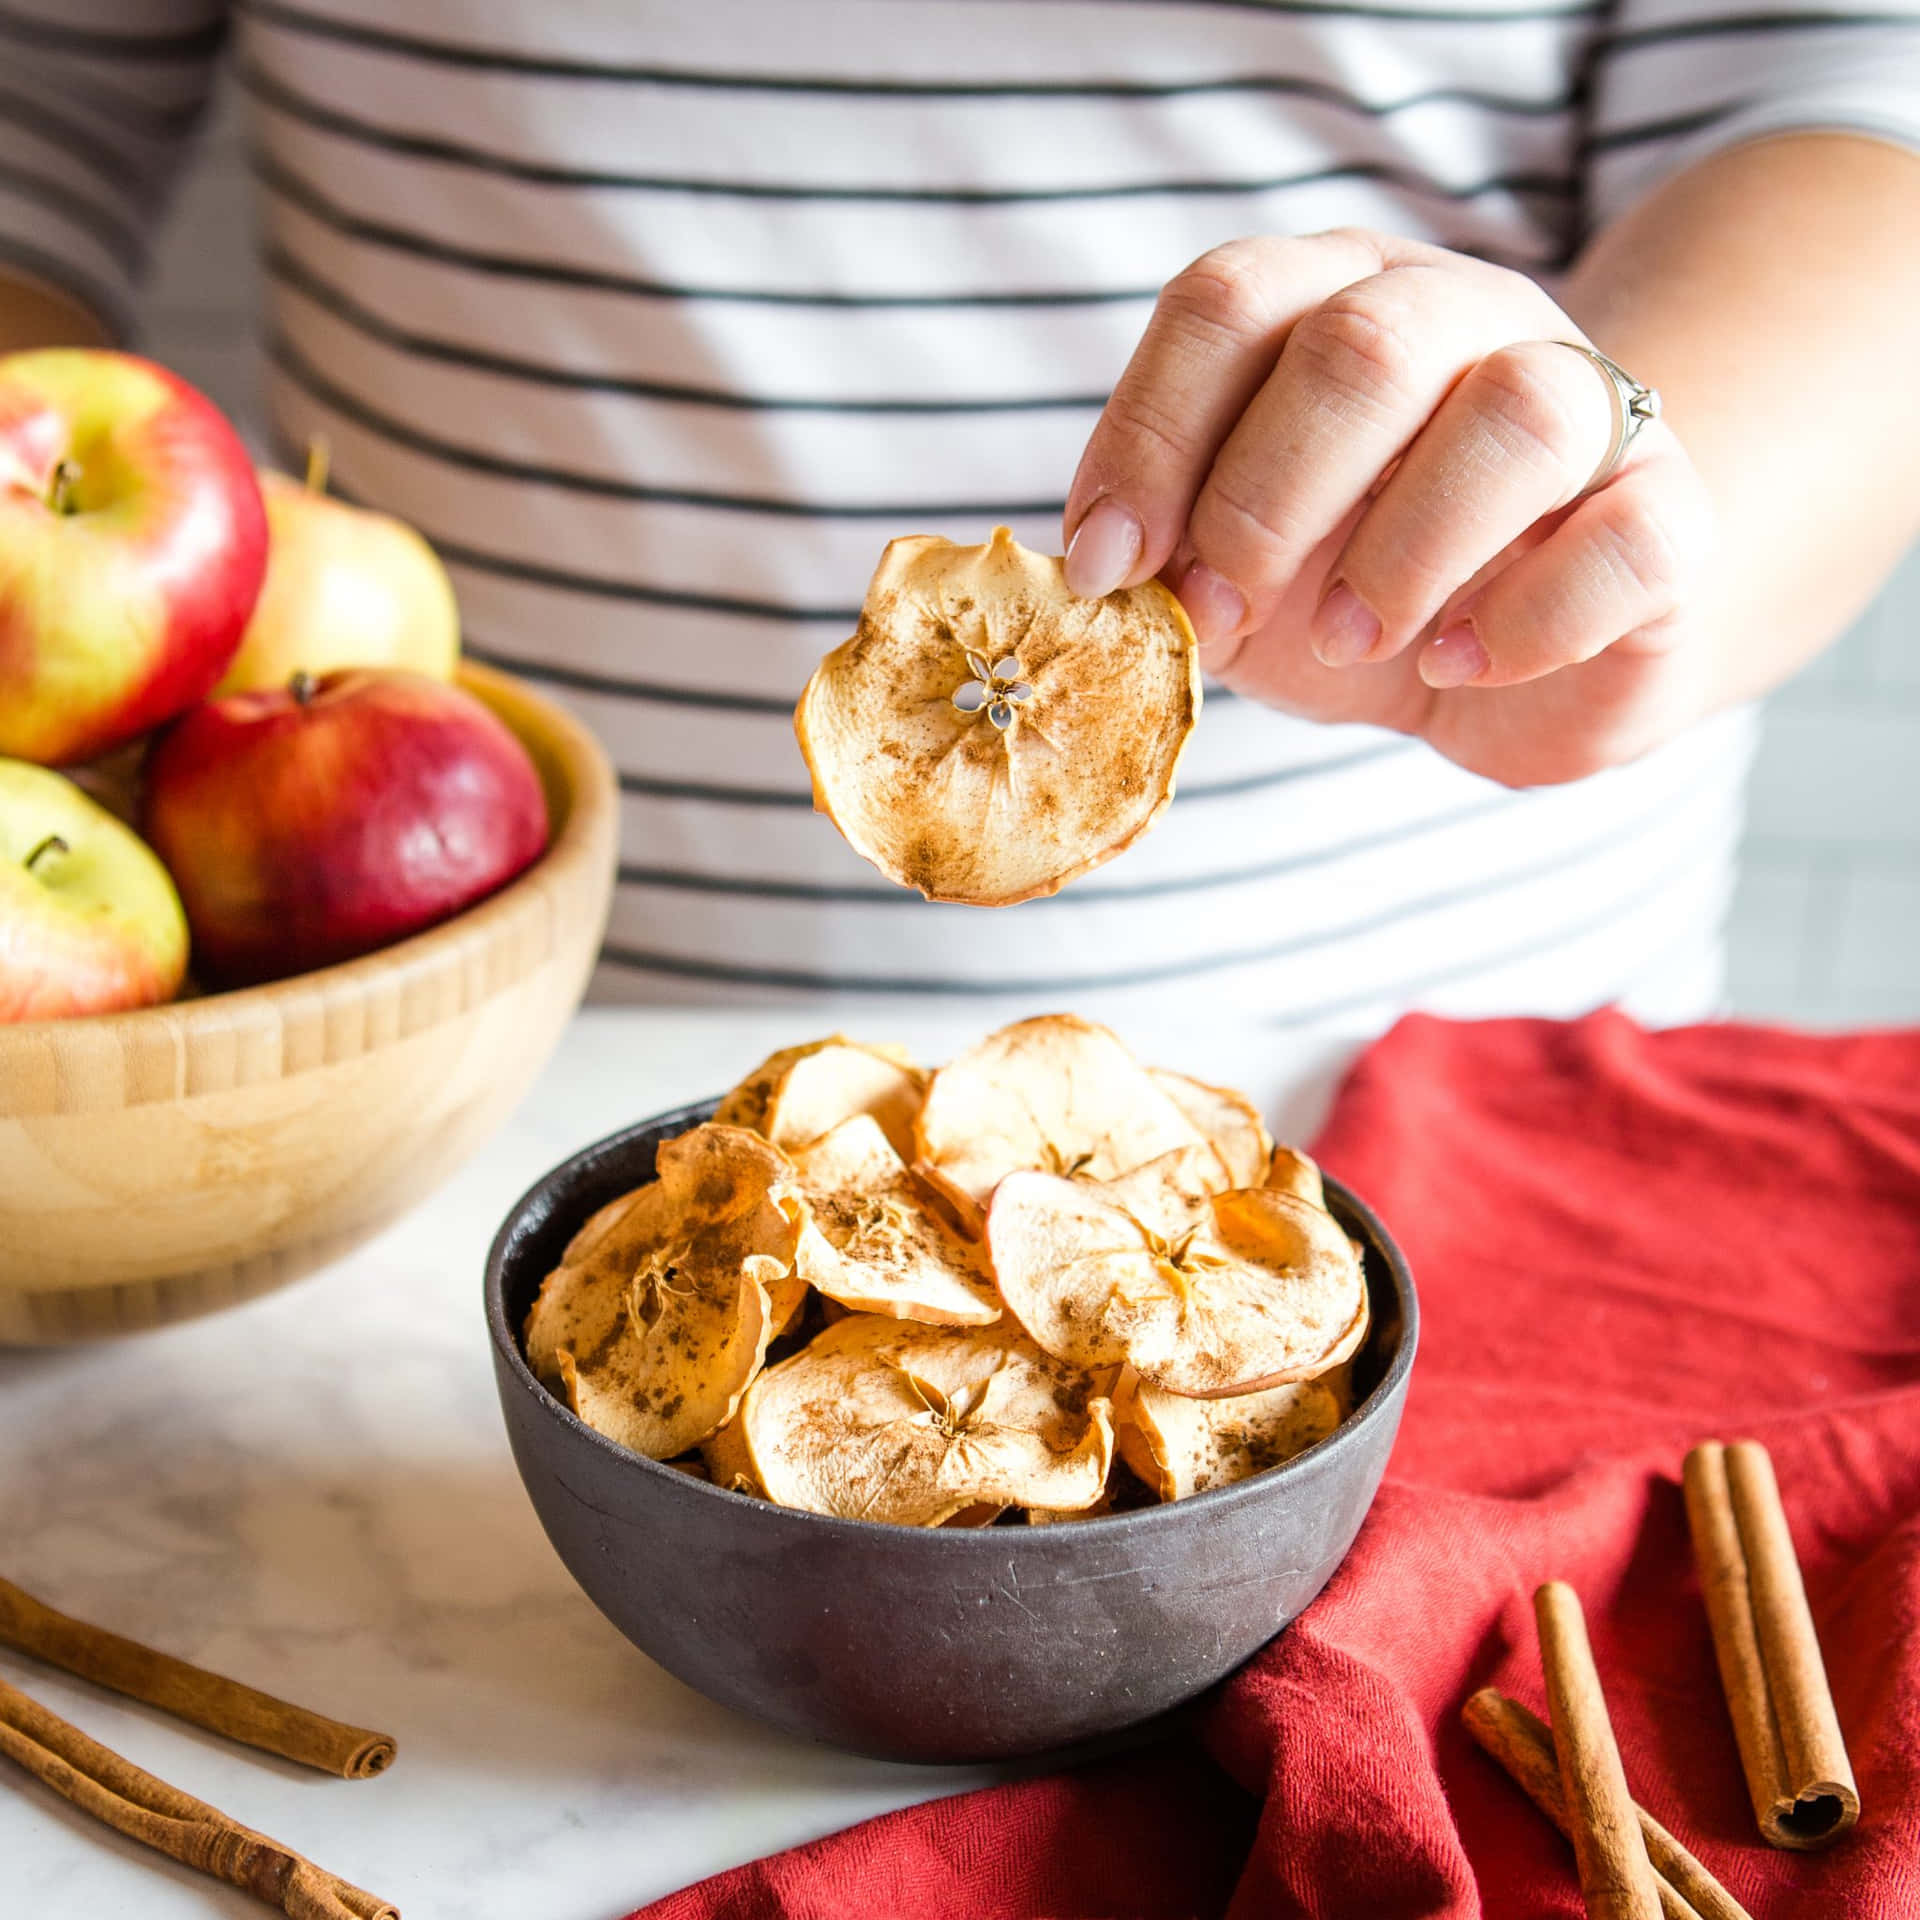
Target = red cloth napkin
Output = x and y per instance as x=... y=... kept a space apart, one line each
x=1624 y=1242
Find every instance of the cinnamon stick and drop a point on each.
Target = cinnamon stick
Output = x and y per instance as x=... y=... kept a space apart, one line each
x=1616 y=1878
x=222 y=1706
x=145 y=1808
x=1791 y=1749
x=1523 y=1744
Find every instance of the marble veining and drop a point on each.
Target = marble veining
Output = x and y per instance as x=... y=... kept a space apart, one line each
x=313 y=1492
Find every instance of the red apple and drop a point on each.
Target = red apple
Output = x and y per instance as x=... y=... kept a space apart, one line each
x=89 y=921
x=132 y=546
x=314 y=822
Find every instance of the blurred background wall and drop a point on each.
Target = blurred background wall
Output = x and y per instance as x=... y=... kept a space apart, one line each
x=1826 y=922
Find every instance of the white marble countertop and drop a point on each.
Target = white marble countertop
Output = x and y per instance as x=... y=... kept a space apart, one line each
x=313 y=1493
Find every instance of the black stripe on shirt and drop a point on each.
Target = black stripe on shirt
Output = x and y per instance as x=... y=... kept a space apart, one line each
x=277 y=178
x=104 y=224
x=101 y=43
x=1492 y=963
x=289 y=360
x=647 y=787
x=583 y=680
x=598 y=586
x=623 y=687
x=1714 y=27
x=728 y=973
x=274 y=93
x=547 y=67
x=1646 y=132
x=290 y=271
x=77 y=141
x=1083 y=892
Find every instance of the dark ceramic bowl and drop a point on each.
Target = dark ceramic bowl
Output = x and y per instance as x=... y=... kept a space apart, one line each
x=935 y=1644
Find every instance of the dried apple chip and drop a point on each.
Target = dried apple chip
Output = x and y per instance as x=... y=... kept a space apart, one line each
x=1169 y=1193
x=873 y=1241
x=1057 y=1094
x=983 y=1515
x=660 y=1312
x=727 y=1460
x=815 y=1094
x=1290 y=1171
x=1229 y=1121
x=747 y=1103
x=1183 y=1446
x=1054 y=1516
x=881 y=1419
x=986 y=736
x=1263 y=1288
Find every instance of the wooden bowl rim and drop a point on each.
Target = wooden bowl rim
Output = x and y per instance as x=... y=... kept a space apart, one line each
x=593 y=796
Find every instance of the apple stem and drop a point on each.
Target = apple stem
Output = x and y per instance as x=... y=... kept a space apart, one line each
x=65 y=477
x=302 y=686
x=51 y=844
x=319 y=462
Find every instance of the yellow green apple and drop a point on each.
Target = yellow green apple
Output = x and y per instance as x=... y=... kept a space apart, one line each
x=132 y=546
x=345 y=587
x=89 y=920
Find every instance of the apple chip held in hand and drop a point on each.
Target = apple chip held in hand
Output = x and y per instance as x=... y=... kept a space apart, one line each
x=310 y=824
x=660 y=1311
x=1262 y=1288
x=883 y=1420
x=986 y=736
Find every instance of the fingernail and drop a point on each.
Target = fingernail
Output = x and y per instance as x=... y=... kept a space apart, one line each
x=1344 y=630
x=1103 y=550
x=1216 y=606
x=1455 y=657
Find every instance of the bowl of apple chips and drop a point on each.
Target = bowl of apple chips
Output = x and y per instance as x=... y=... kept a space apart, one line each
x=951 y=1414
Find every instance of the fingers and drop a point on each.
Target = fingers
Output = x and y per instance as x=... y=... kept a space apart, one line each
x=1357 y=381
x=1620 y=567
x=1515 y=440
x=1214 y=337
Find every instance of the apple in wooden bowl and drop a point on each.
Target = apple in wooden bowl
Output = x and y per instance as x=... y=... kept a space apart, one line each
x=162 y=1163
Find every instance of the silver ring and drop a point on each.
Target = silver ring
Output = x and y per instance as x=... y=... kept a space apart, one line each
x=1633 y=407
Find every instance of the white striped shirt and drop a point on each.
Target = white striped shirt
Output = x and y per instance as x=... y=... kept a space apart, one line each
x=660 y=320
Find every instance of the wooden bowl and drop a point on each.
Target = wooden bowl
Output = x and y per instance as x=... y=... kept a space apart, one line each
x=161 y=1164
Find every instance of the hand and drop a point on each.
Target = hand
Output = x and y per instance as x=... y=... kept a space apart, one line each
x=1360 y=463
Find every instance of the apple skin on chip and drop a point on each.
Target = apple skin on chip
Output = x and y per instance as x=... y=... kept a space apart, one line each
x=881 y=1419
x=1055 y=1093
x=986 y=736
x=660 y=1311
x=1262 y=1289
x=874 y=1243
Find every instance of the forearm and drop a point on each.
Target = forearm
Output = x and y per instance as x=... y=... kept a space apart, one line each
x=33 y=314
x=1772 y=294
